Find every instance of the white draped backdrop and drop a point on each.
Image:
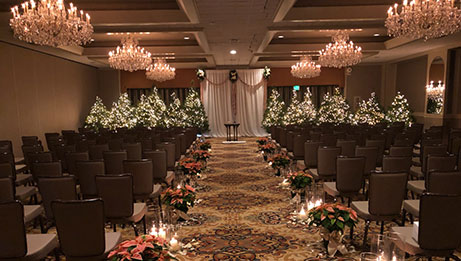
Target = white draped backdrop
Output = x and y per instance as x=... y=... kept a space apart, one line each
x=217 y=91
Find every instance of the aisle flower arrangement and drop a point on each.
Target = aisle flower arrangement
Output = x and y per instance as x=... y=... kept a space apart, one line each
x=262 y=141
x=299 y=180
x=181 y=198
x=279 y=161
x=145 y=247
x=201 y=155
x=190 y=166
x=203 y=145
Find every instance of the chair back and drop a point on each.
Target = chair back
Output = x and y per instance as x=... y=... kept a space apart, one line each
x=401 y=151
x=73 y=157
x=7 y=146
x=26 y=150
x=30 y=140
x=386 y=193
x=113 y=161
x=7 y=190
x=170 y=153
x=328 y=139
x=381 y=145
x=141 y=170
x=431 y=150
x=370 y=154
x=115 y=144
x=310 y=153
x=403 y=142
x=349 y=174
x=62 y=151
x=159 y=164
x=133 y=150
x=96 y=151
x=439 y=227
x=440 y=163
x=63 y=188
x=13 y=242
x=397 y=164
x=444 y=182
x=7 y=170
x=347 y=147
x=117 y=193
x=326 y=166
x=86 y=173
x=46 y=169
x=80 y=226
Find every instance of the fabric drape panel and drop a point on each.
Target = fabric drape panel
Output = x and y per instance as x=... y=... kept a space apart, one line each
x=250 y=102
x=216 y=97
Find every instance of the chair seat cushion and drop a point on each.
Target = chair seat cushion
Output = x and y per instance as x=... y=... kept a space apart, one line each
x=40 y=245
x=407 y=242
x=330 y=188
x=169 y=177
x=20 y=168
x=417 y=186
x=23 y=193
x=361 y=207
x=31 y=212
x=412 y=207
x=22 y=179
x=416 y=172
x=112 y=240
x=156 y=190
x=314 y=173
x=139 y=211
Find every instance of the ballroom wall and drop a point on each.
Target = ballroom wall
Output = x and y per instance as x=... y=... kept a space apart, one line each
x=362 y=81
x=42 y=93
x=328 y=76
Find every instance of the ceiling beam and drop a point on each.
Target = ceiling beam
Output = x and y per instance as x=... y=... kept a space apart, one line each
x=349 y=13
x=144 y=43
x=104 y=51
x=317 y=46
x=153 y=28
x=356 y=39
x=114 y=17
x=326 y=25
x=190 y=9
x=283 y=9
x=311 y=3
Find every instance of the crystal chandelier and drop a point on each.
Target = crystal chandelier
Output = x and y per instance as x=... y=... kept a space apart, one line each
x=341 y=53
x=129 y=57
x=423 y=19
x=435 y=91
x=49 y=23
x=305 y=68
x=160 y=71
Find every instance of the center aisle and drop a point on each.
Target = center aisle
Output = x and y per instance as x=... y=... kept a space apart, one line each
x=243 y=213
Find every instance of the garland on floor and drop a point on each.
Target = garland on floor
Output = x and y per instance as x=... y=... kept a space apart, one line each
x=150 y=112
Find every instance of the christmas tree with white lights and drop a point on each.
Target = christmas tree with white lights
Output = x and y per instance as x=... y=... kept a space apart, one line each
x=98 y=116
x=122 y=114
x=369 y=112
x=159 y=117
x=399 y=111
x=334 y=109
x=294 y=114
x=195 y=112
x=275 y=111
x=145 y=114
x=308 y=109
x=176 y=114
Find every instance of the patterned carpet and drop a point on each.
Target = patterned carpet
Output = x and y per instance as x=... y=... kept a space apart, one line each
x=244 y=215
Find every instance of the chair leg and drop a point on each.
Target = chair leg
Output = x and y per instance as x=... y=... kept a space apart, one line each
x=144 y=225
x=411 y=218
x=114 y=226
x=382 y=227
x=42 y=227
x=136 y=233
x=56 y=255
x=404 y=216
x=365 y=234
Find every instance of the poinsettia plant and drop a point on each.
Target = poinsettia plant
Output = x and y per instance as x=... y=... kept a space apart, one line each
x=145 y=247
x=204 y=145
x=190 y=166
x=201 y=155
x=262 y=141
x=181 y=198
x=279 y=161
x=332 y=217
x=267 y=148
x=299 y=180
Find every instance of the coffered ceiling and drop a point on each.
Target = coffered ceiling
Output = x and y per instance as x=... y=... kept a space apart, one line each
x=201 y=33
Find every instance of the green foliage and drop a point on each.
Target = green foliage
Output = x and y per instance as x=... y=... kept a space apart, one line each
x=98 y=116
x=399 y=111
x=333 y=217
x=294 y=114
x=275 y=111
x=369 y=112
x=300 y=180
x=334 y=109
x=308 y=109
x=195 y=112
x=176 y=117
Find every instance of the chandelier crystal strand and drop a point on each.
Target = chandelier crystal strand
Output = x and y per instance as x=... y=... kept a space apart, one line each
x=129 y=57
x=49 y=23
x=340 y=53
x=160 y=71
x=305 y=68
x=423 y=19
x=435 y=91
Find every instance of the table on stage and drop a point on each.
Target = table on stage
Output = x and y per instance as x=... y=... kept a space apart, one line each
x=235 y=127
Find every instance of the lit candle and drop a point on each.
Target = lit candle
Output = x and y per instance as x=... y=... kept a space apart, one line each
x=302 y=213
x=153 y=231
x=162 y=233
x=174 y=244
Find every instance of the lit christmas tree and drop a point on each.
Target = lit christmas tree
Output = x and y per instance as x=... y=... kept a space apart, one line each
x=159 y=114
x=145 y=114
x=275 y=111
x=195 y=112
x=369 y=112
x=294 y=114
x=176 y=114
x=399 y=111
x=334 y=109
x=98 y=116
x=308 y=109
x=122 y=114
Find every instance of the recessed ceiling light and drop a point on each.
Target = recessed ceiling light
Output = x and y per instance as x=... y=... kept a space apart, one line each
x=233 y=52
x=376 y=35
x=281 y=36
x=186 y=37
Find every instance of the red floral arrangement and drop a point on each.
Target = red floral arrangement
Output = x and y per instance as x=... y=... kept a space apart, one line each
x=181 y=198
x=333 y=217
x=262 y=141
x=204 y=145
x=300 y=180
x=190 y=166
x=279 y=161
x=201 y=155
x=267 y=148
x=145 y=247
